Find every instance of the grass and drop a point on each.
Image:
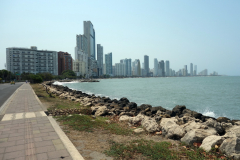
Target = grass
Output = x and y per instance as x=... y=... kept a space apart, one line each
x=145 y=149
x=53 y=102
x=88 y=124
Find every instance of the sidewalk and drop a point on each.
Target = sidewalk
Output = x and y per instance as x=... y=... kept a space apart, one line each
x=26 y=133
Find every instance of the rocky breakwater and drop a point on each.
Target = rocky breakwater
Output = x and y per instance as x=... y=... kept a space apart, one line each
x=179 y=123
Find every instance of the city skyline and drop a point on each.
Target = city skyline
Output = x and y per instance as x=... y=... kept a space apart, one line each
x=206 y=38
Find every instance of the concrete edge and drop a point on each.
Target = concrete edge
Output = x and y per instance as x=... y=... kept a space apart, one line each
x=5 y=105
x=68 y=144
x=44 y=108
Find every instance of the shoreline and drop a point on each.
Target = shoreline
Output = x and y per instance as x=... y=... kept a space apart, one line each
x=180 y=123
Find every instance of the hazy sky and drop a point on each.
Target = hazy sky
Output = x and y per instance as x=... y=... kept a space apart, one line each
x=205 y=33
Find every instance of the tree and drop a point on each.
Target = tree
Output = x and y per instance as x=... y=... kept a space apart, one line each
x=69 y=74
x=36 y=79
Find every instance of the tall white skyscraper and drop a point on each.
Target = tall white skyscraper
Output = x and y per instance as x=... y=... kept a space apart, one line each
x=89 y=32
x=191 y=69
x=167 y=68
x=155 y=71
x=195 y=70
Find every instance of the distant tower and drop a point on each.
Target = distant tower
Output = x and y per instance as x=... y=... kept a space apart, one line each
x=108 y=62
x=155 y=73
x=89 y=32
x=146 y=65
x=162 y=67
x=195 y=70
x=100 y=58
x=167 y=68
x=185 y=72
x=191 y=69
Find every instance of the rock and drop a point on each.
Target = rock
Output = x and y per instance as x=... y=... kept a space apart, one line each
x=177 y=110
x=185 y=119
x=191 y=126
x=150 y=124
x=137 y=119
x=196 y=115
x=226 y=126
x=138 y=130
x=197 y=135
x=145 y=106
x=211 y=141
x=231 y=147
x=233 y=132
x=101 y=111
x=94 y=108
x=170 y=129
x=223 y=119
x=154 y=110
x=214 y=124
x=124 y=118
x=108 y=121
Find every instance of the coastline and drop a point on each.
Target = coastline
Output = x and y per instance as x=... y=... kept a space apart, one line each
x=179 y=123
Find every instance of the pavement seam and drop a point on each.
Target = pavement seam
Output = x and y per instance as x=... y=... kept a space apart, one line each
x=67 y=143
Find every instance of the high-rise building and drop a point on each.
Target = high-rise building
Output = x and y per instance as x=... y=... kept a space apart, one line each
x=162 y=67
x=136 y=68
x=31 y=60
x=81 y=56
x=167 y=69
x=100 y=58
x=155 y=71
x=191 y=69
x=185 y=72
x=64 y=62
x=203 y=73
x=146 y=65
x=89 y=32
x=108 y=62
x=195 y=70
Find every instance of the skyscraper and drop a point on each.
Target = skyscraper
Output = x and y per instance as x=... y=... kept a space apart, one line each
x=195 y=70
x=108 y=62
x=185 y=71
x=89 y=32
x=167 y=68
x=146 y=65
x=100 y=58
x=155 y=71
x=191 y=69
x=161 y=66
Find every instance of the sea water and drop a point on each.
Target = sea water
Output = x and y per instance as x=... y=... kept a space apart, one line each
x=214 y=96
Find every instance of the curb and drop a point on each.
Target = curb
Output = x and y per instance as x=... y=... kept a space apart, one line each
x=68 y=144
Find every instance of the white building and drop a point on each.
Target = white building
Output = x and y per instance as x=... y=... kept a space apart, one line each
x=81 y=54
x=155 y=71
x=119 y=69
x=31 y=60
x=79 y=68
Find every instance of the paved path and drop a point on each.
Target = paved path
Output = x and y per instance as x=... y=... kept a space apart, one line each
x=6 y=90
x=26 y=133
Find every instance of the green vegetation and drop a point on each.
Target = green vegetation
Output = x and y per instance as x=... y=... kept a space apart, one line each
x=145 y=149
x=88 y=124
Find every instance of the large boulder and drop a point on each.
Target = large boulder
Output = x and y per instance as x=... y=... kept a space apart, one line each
x=210 y=142
x=197 y=135
x=154 y=110
x=177 y=110
x=137 y=119
x=233 y=132
x=124 y=118
x=101 y=111
x=191 y=126
x=170 y=129
x=150 y=124
x=223 y=119
x=145 y=106
x=231 y=147
x=214 y=124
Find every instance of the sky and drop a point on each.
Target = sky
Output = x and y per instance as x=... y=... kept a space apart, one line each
x=205 y=33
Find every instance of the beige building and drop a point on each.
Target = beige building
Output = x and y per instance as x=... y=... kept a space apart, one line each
x=79 y=67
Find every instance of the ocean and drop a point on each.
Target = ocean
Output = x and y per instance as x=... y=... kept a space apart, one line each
x=214 y=96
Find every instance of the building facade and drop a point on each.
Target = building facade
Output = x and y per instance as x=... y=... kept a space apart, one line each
x=100 y=58
x=162 y=67
x=191 y=69
x=89 y=32
x=167 y=68
x=146 y=65
x=65 y=62
x=108 y=63
x=155 y=70
x=31 y=60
